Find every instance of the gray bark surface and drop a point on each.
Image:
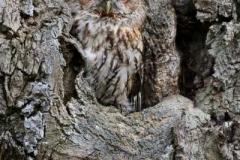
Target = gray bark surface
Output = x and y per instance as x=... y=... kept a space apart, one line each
x=48 y=111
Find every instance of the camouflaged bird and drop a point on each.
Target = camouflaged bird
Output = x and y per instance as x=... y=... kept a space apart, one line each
x=110 y=34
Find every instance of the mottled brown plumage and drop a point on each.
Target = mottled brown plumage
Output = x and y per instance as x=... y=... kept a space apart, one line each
x=113 y=48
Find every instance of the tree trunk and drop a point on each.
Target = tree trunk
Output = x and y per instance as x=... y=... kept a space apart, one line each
x=191 y=86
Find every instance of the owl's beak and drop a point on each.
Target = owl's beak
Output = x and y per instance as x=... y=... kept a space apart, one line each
x=108 y=6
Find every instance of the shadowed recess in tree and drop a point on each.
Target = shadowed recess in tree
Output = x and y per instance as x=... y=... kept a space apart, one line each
x=196 y=64
x=74 y=64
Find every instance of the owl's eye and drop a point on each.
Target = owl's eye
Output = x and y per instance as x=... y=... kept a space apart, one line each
x=130 y=4
x=83 y=2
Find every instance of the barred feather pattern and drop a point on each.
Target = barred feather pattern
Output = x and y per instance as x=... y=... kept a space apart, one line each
x=113 y=49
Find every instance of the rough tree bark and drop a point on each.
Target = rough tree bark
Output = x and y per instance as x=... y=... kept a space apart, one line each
x=48 y=110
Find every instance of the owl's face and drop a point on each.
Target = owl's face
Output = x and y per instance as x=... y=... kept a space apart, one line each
x=123 y=7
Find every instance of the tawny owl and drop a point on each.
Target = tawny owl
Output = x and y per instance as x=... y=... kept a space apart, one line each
x=110 y=33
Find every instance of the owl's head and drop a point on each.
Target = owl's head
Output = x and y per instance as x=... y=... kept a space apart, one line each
x=123 y=7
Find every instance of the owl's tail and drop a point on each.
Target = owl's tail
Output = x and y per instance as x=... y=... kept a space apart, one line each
x=136 y=93
x=137 y=102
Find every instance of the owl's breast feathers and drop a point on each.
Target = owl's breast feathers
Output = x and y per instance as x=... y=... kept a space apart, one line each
x=114 y=64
